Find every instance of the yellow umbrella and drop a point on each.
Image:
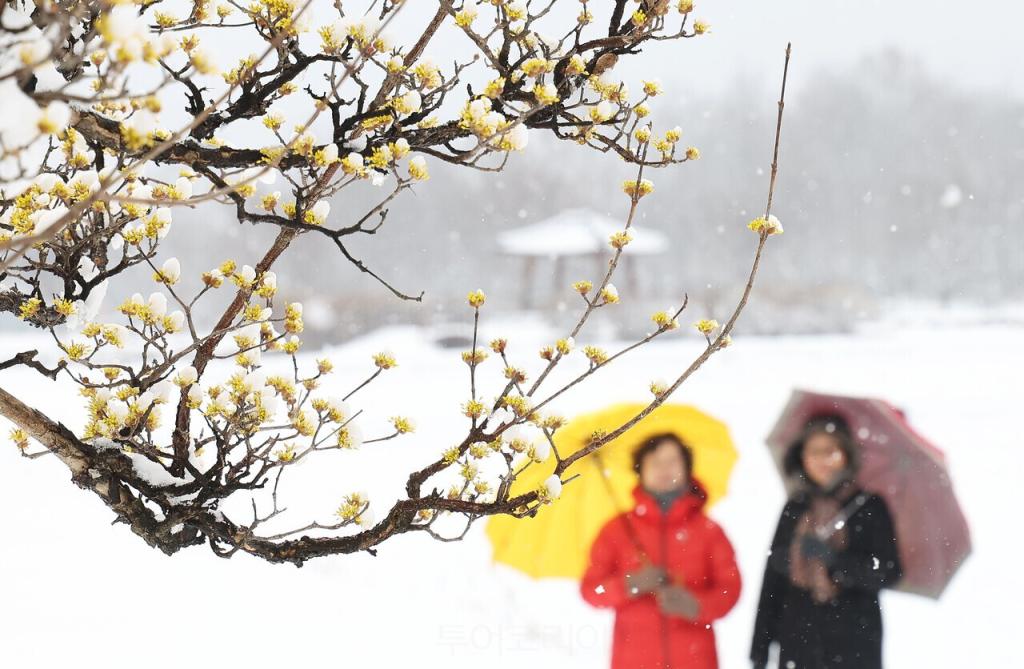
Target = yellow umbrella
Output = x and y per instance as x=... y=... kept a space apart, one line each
x=556 y=542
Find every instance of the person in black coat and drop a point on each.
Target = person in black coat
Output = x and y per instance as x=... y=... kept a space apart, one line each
x=834 y=549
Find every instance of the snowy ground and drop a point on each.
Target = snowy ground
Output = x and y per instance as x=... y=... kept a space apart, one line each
x=79 y=592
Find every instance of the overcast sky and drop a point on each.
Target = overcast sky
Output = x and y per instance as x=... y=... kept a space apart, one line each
x=978 y=44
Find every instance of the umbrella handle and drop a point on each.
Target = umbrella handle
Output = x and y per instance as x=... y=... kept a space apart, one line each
x=630 y=530
x=838 y=521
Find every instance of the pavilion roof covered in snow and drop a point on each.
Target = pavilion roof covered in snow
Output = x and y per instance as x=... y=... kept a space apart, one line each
x=577 y=232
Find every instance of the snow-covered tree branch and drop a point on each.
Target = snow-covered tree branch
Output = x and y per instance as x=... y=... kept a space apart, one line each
x=124 y=112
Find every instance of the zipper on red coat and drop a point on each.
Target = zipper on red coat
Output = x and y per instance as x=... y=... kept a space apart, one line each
x=663 y=617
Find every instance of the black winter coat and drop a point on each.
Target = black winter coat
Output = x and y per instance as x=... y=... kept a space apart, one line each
x=845 y=632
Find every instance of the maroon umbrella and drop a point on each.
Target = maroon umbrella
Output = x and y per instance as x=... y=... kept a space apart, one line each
x=906 y=470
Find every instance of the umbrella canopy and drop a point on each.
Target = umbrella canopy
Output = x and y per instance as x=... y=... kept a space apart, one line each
x=556 y=542
x=906 y=470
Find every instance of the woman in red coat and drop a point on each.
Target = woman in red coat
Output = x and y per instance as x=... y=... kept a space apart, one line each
x=666 y=568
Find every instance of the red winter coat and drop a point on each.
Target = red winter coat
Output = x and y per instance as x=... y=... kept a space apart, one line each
x=695 y=553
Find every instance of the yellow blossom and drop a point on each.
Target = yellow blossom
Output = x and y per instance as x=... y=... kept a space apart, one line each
x=402 y=424
x=609 y=294
x=706 y=326
x=494 y=87
x=637 y=190
x=663 y=319
x=384 y=360
x=620 y=239
x=29 y=308
x=769 y=226
x=418 y=168
x=546 y=94
x=286 y=454
x=534 y=67
x=515 y=374
x=595 y=354
x=476 y=299
x=474 y=409
x=582 y=287
x=474 y=357
x=20 y=438
x=64 y=307
x=576 y=65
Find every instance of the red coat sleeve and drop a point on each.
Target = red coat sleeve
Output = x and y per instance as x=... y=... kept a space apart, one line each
x=604 y=582
x=722 y=590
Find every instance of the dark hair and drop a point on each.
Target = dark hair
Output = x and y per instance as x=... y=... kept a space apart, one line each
x=831 y=424
x=648 y=447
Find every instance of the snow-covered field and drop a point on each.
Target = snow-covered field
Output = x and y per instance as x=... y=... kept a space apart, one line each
x=79 y=592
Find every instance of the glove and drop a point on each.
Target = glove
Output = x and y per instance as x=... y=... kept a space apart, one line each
x=813 y=548
x=677 y=601
x=644 y=580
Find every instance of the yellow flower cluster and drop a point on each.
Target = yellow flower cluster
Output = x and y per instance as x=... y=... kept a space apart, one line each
x=706 y=326
x=428 y=74
x=536 y=67
x=582 y=287
x=474 y=357
x=515 y=374
x=418 y=169
x=293 y=317
x=384 y=360
x=546 y=94
x=518 y=405
x=667 y=144
x=345 y=438
x=29 y=308
x=620 y=239
x=478 y=117
x=464 y=18
x=474 y=409
x=494 y=88
x=576 y=65
x=402 y=424
x=286 y=453
x=476 y=299
x=664 y=320
x=766 y=226
x=637 y=190
x=20 y=438
x=595 y=354
x=352 y=506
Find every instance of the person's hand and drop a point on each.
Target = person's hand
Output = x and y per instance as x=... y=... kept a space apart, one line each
x=677 y=601
x=813 y=548
x=644 y=580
